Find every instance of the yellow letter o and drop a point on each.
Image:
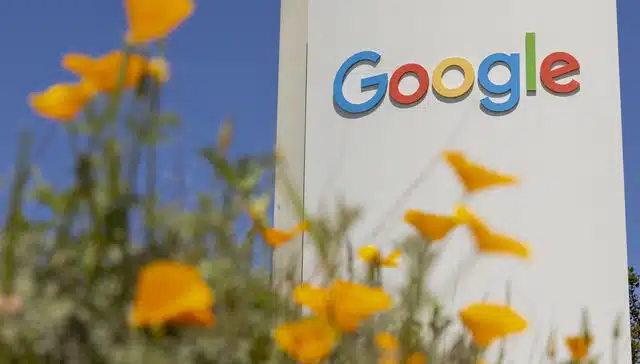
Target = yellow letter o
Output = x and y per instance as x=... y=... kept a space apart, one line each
x=467 y=72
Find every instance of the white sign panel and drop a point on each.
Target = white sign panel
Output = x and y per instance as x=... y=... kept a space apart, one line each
x=375 y=138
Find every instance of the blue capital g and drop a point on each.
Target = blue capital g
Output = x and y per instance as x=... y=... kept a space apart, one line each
x=379 y=81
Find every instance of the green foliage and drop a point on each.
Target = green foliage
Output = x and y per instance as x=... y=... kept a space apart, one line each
x=75 y=272
x=634 y=309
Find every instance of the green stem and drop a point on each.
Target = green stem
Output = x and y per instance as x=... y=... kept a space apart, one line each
x=15 y=217
x=154 y=107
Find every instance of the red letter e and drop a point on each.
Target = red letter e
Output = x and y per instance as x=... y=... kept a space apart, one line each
x=548 y=74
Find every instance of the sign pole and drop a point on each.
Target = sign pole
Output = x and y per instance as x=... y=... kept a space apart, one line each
x=291 y=125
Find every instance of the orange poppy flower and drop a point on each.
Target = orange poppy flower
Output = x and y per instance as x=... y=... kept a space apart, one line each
x=489 y=242
x=171 y=292
x=488 y=322
x=431 y=227
x=151 y=20
x=104 y=72
x=371 y=255
x=309 y=340
x=62 y=101
x=473 y=176
x=417 y=358
x=276 y=238
x=345 y=304
x=579 y=346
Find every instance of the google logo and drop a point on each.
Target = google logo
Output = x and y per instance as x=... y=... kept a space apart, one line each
x=554 y=66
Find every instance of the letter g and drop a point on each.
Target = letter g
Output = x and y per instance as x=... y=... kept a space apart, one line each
x=379 y=81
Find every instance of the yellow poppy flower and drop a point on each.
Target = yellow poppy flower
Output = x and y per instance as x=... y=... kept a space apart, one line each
x=171 y=292
x=489 y=242
x=386 y=359
x=473 y=176
x=344 y=304
x=151 y=20
x=386 y=341
x=388 y=346
x=481 y=361
x=276 y=238
x=431 y=227
x=417 y=358
x=488 y=322
x=159 y=69
x=104 y=72
x=308 y=341
x=62 y=101
x=371 y=255
x=579 y=346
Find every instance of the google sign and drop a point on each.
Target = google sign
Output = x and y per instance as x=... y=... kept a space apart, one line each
x=553 y=67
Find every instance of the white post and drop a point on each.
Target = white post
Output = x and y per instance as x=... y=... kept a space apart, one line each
x=290 y=138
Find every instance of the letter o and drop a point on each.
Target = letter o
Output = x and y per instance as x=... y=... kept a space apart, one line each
x=467 y=72
x=423 y=84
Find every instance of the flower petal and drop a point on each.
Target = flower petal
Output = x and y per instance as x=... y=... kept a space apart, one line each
x=308 y=341
x=203 y=318
x=488 y=322
x=488 y=242
x=473 y=176
x=151 y=20
x=353 y=303
x=578 y=347
x=431 y=227
x=315 y=298
x=386 y=341
x=392 y=259
x=104 y=72
x=168 y=290
x=276 y=238
x=369 y=254
x=62 y=101
x=417 y=358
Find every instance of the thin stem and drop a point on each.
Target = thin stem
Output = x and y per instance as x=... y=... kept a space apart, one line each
x=14 y=218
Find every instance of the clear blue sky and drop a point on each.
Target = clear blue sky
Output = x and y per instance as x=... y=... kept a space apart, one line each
x=224 y=62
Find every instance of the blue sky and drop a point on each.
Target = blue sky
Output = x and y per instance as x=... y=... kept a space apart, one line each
x=224 y=63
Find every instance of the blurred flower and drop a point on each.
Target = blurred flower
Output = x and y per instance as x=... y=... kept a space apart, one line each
x=579 y=346
x=11 y=304
x=62 y=101
x=388 y=346
x=417 y=358
x=488 y=322
x=481 y=361
x=386 y=358
x=386 y=341
x=171 y=292
x=104 y=72
x=489 y=242
x=345 y=304
x=309 y=340
x=158 y=68
x=371 y=255
x=431 y=227
x=151 y=20
x=473 y=176
x=276 y=238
